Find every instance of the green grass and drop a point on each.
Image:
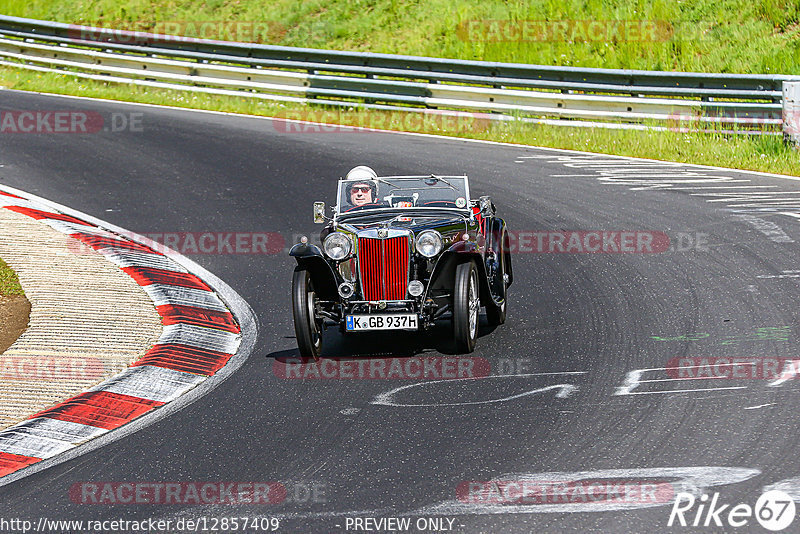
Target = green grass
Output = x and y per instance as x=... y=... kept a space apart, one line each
x=763 y=153
x=9 y=283
x=746 y=36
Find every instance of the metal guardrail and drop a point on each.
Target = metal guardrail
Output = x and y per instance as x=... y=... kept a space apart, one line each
x=621 y=98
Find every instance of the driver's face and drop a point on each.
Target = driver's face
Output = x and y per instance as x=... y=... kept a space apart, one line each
x=361 y=194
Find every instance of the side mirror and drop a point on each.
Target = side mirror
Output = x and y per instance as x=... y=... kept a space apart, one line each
x=487 y=206
x=319 y=212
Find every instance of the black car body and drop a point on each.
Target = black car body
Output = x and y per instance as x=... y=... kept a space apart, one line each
x=421 y=251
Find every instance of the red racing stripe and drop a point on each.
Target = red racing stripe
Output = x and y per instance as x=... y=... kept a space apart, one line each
x=145 y=276
x=98 y=242
x=39 y=214
x=14 y=462
x=184 y=358
x=10 y=195
x=101 y=409
x=174 y=314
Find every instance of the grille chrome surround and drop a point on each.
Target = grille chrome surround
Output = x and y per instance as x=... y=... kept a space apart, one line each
x=383 y=264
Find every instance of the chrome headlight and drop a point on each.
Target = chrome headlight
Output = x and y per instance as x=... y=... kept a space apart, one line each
x=429 y=243
x=337 y=246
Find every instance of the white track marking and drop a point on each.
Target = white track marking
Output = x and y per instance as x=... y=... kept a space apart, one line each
x=198 y=336
x=788 y=485
x=22 y=203
x=784 y=274
x=73 y=228
x=23 y=443
x=67 y=431
x=44 y=437
x=645 y=172
x=184 y=296
x=760 y=406
x=129 y=258
x=152 y=383
x=694 y=480
x=633 y=380
x=690 y=178
x=692 y=188
x=768 y=228
x=791 y=371
x=564 y=391
x=648 y=175
x=744 y=196
x=599 y=165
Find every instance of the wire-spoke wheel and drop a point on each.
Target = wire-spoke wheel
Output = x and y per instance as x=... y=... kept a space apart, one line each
x=307 y=326
x=466 y=305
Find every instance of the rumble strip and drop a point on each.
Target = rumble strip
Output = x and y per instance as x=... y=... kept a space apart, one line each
x=200 y=336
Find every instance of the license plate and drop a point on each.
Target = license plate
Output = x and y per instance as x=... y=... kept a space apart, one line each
x=395 y=321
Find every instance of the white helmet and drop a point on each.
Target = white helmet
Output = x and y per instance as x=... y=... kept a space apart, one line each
x=362 y=172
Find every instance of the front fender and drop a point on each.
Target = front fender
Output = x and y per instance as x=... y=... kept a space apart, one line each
x=443 y=274
x=499 y=231
x=309 y=257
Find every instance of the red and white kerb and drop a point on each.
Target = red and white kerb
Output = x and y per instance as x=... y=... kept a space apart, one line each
x=199 y=337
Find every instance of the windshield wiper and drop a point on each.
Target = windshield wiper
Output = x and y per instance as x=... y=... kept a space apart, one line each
x=445 y=181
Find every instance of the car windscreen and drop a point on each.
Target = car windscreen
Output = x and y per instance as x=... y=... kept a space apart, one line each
x=427 y=191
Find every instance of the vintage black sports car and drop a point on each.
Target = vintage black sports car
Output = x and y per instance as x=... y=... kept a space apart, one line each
x=399 y=253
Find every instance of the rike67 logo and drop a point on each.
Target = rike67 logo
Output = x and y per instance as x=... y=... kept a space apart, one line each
x=774 y=510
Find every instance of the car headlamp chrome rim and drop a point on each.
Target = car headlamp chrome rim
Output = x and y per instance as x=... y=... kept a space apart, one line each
x=337 y=246
x=429 y=243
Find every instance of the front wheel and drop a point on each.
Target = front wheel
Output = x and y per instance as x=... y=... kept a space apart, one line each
x=307 y=327
x=466 y=304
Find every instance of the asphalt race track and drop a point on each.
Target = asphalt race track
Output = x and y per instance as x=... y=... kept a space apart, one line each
x=564 y=400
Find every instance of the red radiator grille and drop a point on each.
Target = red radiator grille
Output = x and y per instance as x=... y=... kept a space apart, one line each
x=383 y=266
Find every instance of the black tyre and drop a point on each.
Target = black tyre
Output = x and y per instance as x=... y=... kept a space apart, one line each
x=307 y=327
x=466 y=305
x=496 y=270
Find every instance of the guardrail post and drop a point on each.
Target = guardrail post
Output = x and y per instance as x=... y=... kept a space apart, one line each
x=791 y=112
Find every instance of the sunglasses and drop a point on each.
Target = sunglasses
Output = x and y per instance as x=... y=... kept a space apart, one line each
x=361 y=189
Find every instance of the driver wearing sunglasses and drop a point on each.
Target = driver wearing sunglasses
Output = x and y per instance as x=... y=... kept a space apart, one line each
x=362 y=188
x=361 y=194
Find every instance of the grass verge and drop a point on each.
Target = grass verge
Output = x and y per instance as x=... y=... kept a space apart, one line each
x=14 y=307
x=758 y=153
x=747 y=36
x=9 y=283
